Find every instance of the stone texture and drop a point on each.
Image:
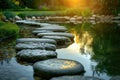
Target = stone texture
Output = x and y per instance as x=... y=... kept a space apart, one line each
x=25 y=40
x=54 y=28
x=75 y=78
x=61 y=40
x=57 y=67
x=35 y=55
x=31 y=45
x=115 y=78
x=69 y=35
x=41 y=31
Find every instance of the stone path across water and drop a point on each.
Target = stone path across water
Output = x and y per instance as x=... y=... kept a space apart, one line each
x=43 y=48
x=32 y=45
x=35 y=55
x=57 y=67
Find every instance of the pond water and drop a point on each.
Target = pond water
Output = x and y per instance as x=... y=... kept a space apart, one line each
x=96 y=46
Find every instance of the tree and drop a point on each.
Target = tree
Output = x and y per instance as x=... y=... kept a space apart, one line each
x=6 y=4
x=26 y=3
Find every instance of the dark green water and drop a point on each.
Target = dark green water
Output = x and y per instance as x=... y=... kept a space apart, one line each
x=96 y=46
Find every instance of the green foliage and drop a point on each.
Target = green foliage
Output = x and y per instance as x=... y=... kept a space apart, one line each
x=9 y=14
x=7 y=4
x=8 y=29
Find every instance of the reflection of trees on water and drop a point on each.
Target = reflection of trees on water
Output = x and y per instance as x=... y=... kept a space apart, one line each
x=82 y=36
x=104 y=40
x=106 y=47
x=6 y=51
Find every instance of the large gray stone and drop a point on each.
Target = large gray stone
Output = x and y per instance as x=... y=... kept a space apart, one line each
x=61 y=40
x=75 y=78
x=27 y=22
x=35 y=55
x=25 y=40
x=57 y=67
x=41 y=31
x=45 y=24
x=31 y=45
x=54 y=28
x=115 y=78
x=69 y=35
x=32 y=23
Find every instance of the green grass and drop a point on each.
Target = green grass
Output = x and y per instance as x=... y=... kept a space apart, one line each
x=8 y=29
x=67 y=12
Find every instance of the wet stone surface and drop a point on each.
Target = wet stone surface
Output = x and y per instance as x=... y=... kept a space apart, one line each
x=35 y=55
x=38 y=45
x=24 y=40
x=75 y=78
x=115 y=78
x=69 y=35
x=57 y=67
x=55 y=28
x=61 y=40
x=41 y=31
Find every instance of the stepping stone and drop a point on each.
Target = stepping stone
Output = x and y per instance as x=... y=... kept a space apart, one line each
x=20 y=21
x=59 y=39
x=32 y=23
x=41 y=31
x=26 y=40
x=57 y=67
x=45 y=24
x=31 y=45
x=57 y=34
x=35 y=55
x=115 y=78
x=54 y=28
x=75 y=78
x=27 y=22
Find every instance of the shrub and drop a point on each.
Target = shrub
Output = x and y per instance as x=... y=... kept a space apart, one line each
x=8 y=29
x=9 y=14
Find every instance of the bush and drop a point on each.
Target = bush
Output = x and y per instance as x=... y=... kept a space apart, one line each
x=8 y=29
x=9 y=14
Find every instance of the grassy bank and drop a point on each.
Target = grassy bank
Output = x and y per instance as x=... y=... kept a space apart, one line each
x=67 y=12
x=8 y=30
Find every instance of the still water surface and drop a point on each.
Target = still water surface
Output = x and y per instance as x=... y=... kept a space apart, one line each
x=96 y=46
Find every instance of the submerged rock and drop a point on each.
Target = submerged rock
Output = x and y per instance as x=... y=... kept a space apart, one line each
x=61 y=40
x=24 y=40
x=75 y=78
x=35 y=55
x=57 y=67
x=57 y=34
x=31 y=45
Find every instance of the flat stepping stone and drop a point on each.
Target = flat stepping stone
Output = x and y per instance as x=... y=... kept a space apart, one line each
x=54 y=28
x=27 y=22
x=59 y=39
x=57 y=67
x=41 y=31
x=69 y=35
x=25 y=40
x=45 y=24
x=32 y=23
x=20 y=21
x=115 y=78
x=75 y=78
x=31 y=45
x=35 y=55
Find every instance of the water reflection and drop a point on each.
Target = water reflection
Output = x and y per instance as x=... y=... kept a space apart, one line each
x=101 y=43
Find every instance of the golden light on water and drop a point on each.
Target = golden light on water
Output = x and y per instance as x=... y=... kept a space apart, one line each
x=82 y=44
